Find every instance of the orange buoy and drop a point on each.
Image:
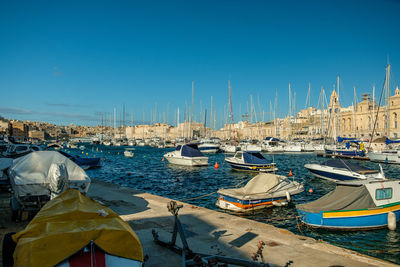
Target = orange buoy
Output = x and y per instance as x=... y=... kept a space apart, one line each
x=216 y=166
x=310 y=190
x=163 y=159
x=290 y=173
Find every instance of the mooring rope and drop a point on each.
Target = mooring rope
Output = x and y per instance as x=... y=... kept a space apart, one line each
x=187 y=199
x=193 y=198
x=277 y=219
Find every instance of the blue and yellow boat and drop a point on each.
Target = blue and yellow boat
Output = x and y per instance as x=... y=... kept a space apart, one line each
x=360 y=205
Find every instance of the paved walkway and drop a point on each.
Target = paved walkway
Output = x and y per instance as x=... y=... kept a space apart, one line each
x=214 y=232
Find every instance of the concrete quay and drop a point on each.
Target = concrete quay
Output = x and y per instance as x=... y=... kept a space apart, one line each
x=213 y=232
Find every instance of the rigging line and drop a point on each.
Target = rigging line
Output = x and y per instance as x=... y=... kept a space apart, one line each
x=377 y=113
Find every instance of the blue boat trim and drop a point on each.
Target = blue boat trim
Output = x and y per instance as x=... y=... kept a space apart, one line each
x=331 y=176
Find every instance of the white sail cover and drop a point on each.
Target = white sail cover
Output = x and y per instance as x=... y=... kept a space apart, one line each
x=32 y=174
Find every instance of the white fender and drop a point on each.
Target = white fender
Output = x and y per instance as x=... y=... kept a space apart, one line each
x=288 y=196
x=391 y=221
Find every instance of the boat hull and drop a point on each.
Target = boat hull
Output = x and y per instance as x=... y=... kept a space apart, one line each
x=351 y=219
x=235 y=204
x=187 y=161
x=209 y=149
x=393 y=158
x=331 y=174
x=252 y=167
x=347 y=153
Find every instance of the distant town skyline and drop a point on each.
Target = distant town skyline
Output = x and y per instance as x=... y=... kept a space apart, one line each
x=69 y=62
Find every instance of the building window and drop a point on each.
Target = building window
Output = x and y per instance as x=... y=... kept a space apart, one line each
x=384 y=193
x=395 y=120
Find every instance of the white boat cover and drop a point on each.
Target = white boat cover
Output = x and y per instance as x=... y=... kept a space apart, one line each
x=31 y=174
x=260 y=184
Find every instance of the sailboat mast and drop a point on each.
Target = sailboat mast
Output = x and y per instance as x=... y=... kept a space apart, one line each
x=387 y=96
x=290 y=113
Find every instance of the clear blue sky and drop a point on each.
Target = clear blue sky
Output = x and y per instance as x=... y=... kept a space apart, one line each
x=70 y=61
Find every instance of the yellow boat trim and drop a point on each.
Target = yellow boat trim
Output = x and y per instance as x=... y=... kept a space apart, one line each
x=356 y=213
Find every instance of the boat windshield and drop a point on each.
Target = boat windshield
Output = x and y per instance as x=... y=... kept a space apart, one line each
x=178 y=148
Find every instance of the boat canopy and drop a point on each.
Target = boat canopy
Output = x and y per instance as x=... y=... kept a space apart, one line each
x=260 y=184
x=344 y=197
x=191 y=150
x=341 y=139
x=338 y=163
x=255 y=158
x=388 y=141
x=68 y=223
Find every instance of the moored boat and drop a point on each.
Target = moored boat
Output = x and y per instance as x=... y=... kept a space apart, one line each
x=363 y=205
x=84 y=162
x=251 y=161
x=208 y=146
x=385 y=156
x=262 y=191
x=339 y=170
x=128 y=153
x=75 y=231
x=187 y=155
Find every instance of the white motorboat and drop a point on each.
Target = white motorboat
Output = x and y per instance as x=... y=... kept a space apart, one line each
x=187 y=155
x=229 y=148
x=292 y=147
x=385 y=156
x=208 y=146
x=252 y=146
x=140 y=142
x=262 y=191
x=107 y=142
x=337 y=170
x=131 y=142
x=270 y=144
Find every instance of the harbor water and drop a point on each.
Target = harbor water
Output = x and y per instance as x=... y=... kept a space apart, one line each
x=148 y=172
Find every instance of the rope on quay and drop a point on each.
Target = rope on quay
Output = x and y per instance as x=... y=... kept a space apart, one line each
x=277 y=219
x=209 y=194
x=187 y=199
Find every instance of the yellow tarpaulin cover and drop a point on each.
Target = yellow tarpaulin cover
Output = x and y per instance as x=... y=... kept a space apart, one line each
x=68 y=223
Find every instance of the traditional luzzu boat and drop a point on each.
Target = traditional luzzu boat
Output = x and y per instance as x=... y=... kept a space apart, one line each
x=187 y=155
x=337 y=170
x=355 y=205
x=251 y=161
x=262 y=191
x=74 y=230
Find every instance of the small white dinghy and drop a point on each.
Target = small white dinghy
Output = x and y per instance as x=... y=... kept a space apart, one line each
x=262 y=191
x=128 y=153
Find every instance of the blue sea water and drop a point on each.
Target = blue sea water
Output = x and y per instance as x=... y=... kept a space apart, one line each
x=147 y=172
